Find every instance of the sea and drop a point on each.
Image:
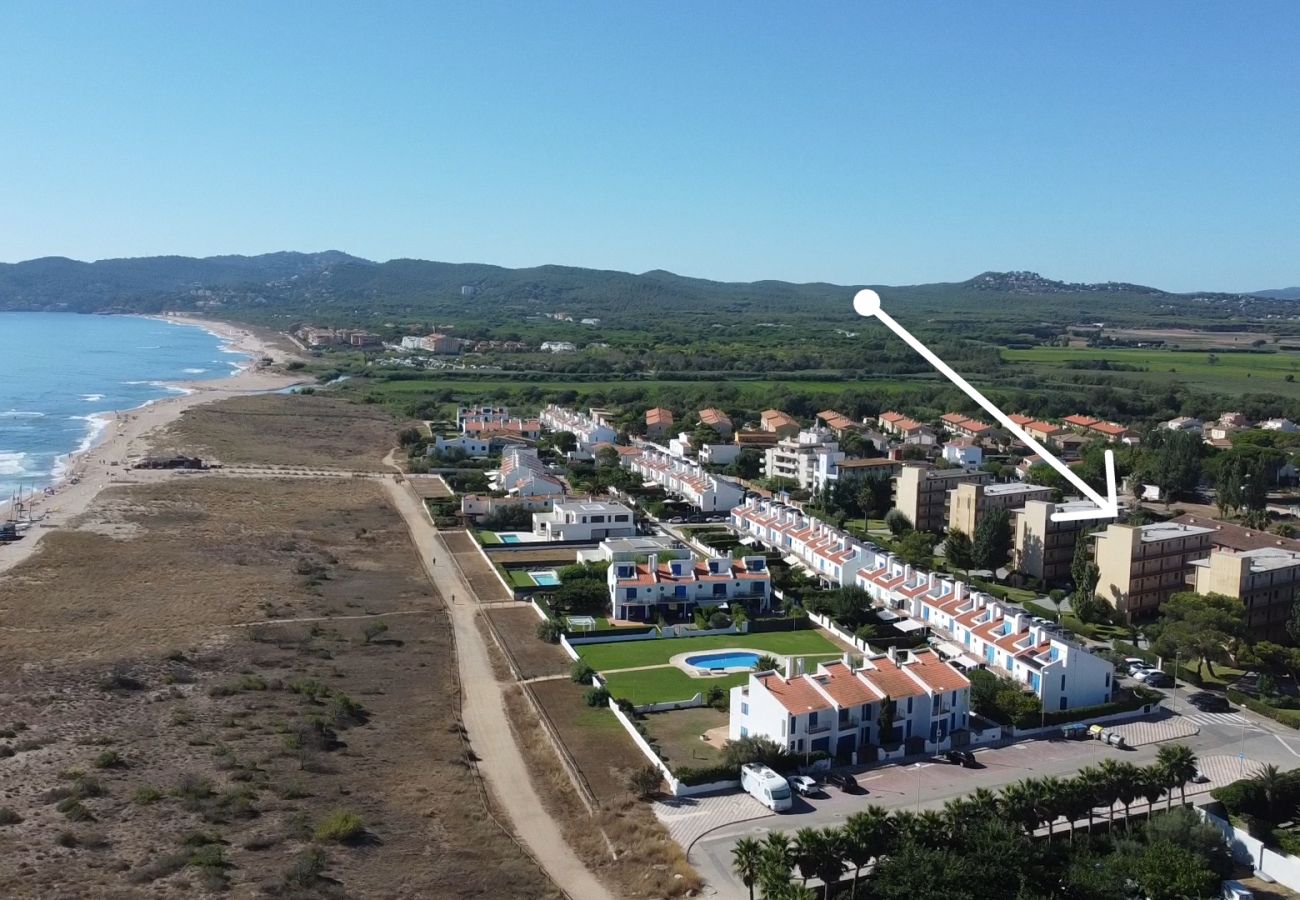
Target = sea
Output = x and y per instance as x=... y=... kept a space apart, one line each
x=62 y=375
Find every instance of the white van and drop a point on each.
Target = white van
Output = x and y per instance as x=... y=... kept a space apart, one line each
x=765 y=786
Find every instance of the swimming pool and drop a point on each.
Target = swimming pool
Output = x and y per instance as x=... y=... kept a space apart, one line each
x=545 y=579
x=509 y=538
x=717 y=661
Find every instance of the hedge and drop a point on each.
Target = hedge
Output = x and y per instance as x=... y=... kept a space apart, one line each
x=1062 y=716
x=706 y=774
x=1288 y=717
x=1036 y=609
x=1127 y=649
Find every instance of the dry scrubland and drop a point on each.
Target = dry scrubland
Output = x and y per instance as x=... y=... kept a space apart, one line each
x=302 y=430
x=150 y=749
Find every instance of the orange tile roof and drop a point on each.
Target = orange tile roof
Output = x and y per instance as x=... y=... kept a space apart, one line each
x=890 y=679
x=712 y=416
x=1080 y=421
x=777 y=418
x=1020 y=418
x=845 y=688
x=659 y=416
x=953 y=418
x=936 y=673
x=891 y=416
x=797 y=695
x=1042 y=427
x=1109 y=428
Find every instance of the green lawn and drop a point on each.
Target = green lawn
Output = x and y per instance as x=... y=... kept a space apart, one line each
x=520 y=579
x=488 y=537
x=667 y=683
x=629 y=654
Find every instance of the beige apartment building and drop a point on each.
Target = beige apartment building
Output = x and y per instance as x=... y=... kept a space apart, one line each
x=1266 y=581
x=921 y=493
x=971 y=502
x=1044 y=549
x=1141 y=566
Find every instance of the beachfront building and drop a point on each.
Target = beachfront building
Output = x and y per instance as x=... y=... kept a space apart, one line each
x=589 y=428
x=1042 y=548
x=837 y=422
x=674 y=588
x=828 y=553
x=684 y=478
x=921 y=493
x=969 y=503
x=1266 y=580
x=588 y=521
x=1061 y=673
x=1142 y=566
x=809 y=459
x=838 y=708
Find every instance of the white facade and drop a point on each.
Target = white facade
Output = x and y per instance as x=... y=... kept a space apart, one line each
x=588 y=429
x=719 y=454
x=675 y=588
x=586 y=520
x=827 y=552
x=809 y=459
x=964 y=454
x=470 y=446
x=684 y=478
x=838 y=709
x=1285 y=425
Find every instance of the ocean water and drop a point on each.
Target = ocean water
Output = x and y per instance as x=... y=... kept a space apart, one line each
x=62 y=375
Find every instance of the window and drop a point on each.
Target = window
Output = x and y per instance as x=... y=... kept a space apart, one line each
x=596 y=519
x=744 y=732
x=631 y=593
x=1062 y=684
x=1063 y=702
x=1107 y=679
x=620 y=518
x=744 y=709
x=812 y=720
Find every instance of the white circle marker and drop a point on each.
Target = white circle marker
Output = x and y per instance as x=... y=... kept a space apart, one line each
x=866 y=302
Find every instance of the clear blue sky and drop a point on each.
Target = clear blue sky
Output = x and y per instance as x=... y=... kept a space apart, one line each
x=1151 y=142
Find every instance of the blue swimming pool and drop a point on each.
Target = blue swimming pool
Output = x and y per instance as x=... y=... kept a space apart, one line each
x=509 y=538
x=545 y=579
x=717 y=661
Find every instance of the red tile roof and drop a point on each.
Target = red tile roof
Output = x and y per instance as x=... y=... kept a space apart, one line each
x=797 y=695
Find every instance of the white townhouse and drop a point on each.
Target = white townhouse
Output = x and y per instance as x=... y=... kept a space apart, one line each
x=684 y=478
x=824 y=551
x=964 y=453
x=1061 y=673
x=483 y=415
x=675 y=588
x=838 y=708
x=585 y=520
x=518 y=464
x=468 y=444
x=588 y=428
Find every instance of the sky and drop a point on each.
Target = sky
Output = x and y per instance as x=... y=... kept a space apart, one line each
x=1156 y=142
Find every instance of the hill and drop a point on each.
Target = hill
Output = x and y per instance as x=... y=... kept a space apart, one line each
x=334 y=287
x=1291 y=293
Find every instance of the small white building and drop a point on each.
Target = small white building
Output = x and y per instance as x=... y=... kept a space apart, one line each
x=585 y=520
x=469 y=445
x=963 y=452
x=1284 y=425
x=839 y=709
x=719 y=454
x=684 y=478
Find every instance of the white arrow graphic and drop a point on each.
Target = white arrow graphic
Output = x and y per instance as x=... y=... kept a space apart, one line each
x=867 y=303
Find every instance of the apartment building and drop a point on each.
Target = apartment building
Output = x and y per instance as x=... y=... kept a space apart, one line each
x=921 y=493
x=658 y=422
x=1061 y=673
x=970 y=502
x=1044 y=549
x=481 y=414
x=517 y=465
x=585 y=520
x=779 y=423
x=589 y=428
x=830 y=554
x=809 y=458
x=1080 y=422
x=838 y=708
x=674 y=588
x=718 y=421
x=1141 y=566
x=1266 y=580
x=440 y=343
x=684 y=478
x=909 y=430
x=1113 y=433
x=837 y=422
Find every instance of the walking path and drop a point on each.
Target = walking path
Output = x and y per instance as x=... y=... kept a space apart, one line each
x=483 y=712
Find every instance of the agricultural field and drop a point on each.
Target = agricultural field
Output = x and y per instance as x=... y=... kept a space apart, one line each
x=1219 y=372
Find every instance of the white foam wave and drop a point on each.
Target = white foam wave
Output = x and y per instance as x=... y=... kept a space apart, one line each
x=21 y=414
x=92 y=398
x=174 y=388
x=193 y=371
x=156 y=347
x=137 y=382
x=95 y=425
x=12 y=464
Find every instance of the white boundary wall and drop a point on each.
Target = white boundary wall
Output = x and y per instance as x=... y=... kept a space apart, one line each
x=1251 y=851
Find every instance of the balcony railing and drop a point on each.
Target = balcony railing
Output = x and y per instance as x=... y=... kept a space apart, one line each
x=819 y=728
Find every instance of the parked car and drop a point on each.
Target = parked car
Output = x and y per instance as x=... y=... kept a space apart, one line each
x=1158 y=679
x=1200 y=777
x=676 y=520
x=1134 y=663
x=845 y=782
x=1207 y=702
x=1144 y=673
x=961 y=758
x=803 y=785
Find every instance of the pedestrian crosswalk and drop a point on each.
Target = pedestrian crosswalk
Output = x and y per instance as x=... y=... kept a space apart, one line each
x=1236 y=720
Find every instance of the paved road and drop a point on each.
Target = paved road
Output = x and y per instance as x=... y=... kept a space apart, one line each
x=484 y=714
x=1219 y=743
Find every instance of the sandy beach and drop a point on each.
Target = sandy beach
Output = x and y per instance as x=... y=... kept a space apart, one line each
x=129 y=435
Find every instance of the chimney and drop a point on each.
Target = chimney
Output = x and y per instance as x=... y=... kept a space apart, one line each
x=847 y=659
x=930 y=582
x=892 y=653
x=789 y=668
x=798 y=663
x=959 y=590
x=653 y=563
x=907 y=574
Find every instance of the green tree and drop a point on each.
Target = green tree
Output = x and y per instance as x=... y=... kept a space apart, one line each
x=992 y=542
x=916 y=548
x=958 y=550
x=565 y=441
x=586 y=596
x=1176 y=764
x=1200 y=627
x=897 y=522
x=885 y=721
x=865 y=836
x=746 y=860
x=828 y=863
x=805 y=848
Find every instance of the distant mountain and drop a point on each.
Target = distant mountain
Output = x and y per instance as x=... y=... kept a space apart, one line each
x=1291 y=293
x=334 y=287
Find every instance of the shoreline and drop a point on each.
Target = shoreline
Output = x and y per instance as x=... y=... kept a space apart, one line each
x=132 y=433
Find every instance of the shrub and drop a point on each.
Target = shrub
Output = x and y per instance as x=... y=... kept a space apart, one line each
x=74 y=810
x=8 y=816
x=374 y=630
x=307 y=870
x=597 y=697
x=644 y=782
x=706 y=774
x=581 y=671
x=146 y=795
x=110 y=759
x=716 y=697
x=341 y=826
x=347 y=711
x=549 y=631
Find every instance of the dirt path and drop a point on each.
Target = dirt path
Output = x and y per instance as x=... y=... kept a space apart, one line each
x=484 y=713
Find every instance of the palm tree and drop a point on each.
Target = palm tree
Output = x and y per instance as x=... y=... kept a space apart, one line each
x=1076 y=801
x=1051 y=794
x=1108 y=789
x=1019 y=804
x=931 y=828
x=865 y=836
x=746 y=860
x=1089 y=785
x=774 y=866
x=1128 y=784
x=1151 y=785
x=1178 y=763
x=806 y=848
x=828 y=864
x=1272 y=786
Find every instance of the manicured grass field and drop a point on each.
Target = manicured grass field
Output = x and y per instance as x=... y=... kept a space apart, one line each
x=521 y=579
x=629 y=654
x=488 y=537
x=667 y=683
x=1231 y=372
